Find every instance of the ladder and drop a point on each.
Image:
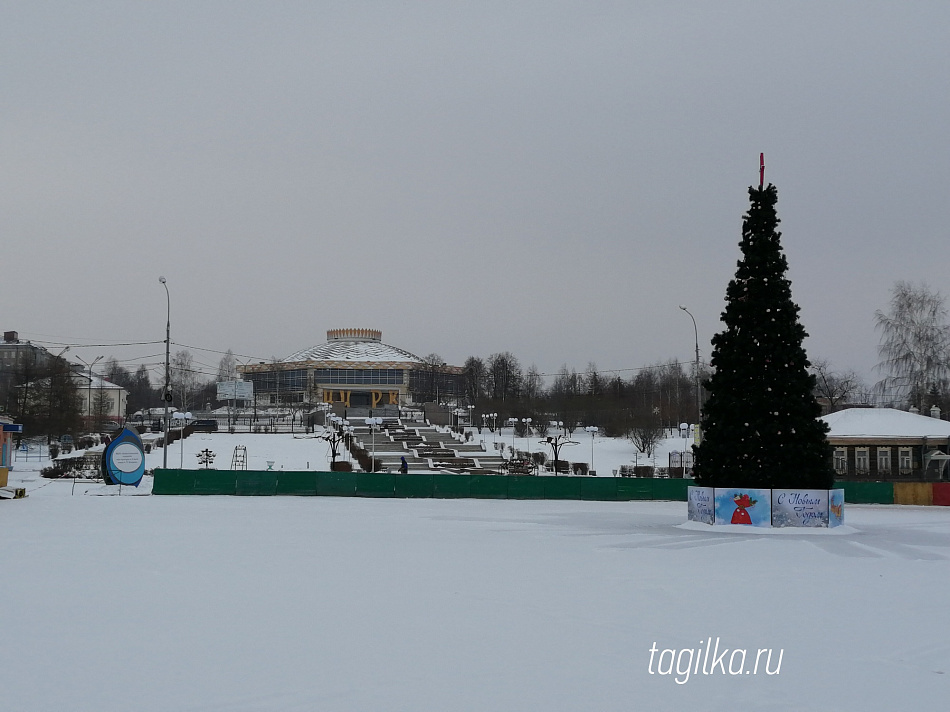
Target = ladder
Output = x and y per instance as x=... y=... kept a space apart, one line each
x=239 y=459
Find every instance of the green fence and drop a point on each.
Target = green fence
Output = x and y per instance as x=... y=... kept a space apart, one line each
x=867 y=492
x=383 y=484
x=438 y=486
x=375 y=484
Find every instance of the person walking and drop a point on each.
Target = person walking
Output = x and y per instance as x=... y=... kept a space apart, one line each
x=403 y=466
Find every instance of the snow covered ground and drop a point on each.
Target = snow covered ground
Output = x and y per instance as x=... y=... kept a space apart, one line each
x=279 y=603
x=304 y=452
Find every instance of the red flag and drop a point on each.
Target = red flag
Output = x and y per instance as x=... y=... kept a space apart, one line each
x=761 y=170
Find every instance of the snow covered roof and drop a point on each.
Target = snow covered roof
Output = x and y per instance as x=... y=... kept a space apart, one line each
x=884 y=423
x=354 y=346
x=97 y=382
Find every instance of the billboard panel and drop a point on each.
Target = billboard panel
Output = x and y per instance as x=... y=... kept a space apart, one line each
x=235 y=390
x=700 y=505
x=740 y=505
x=799 y=508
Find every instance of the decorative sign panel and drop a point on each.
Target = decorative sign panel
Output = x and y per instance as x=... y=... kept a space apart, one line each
x=700 y=504
x=835 y=507
x=751 y=507
x=799 y=508
x=123 y=462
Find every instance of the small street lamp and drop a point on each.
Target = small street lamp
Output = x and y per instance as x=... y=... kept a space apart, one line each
x=347 y=431
x=182 y=419
x=512 y=422
x=556 y=442
x=373 y=424
x=592 y=429
x=527 y=433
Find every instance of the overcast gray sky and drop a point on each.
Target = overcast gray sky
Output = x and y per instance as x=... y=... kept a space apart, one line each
x=547 y=178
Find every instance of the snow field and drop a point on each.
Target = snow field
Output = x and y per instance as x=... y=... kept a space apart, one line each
x=282 y=603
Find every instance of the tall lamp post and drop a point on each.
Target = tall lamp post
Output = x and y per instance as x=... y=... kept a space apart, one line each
x=167 y=391
x=89 y=387
x=699 y=406
x=512 y=422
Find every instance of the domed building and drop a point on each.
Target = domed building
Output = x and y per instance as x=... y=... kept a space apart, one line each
x=356 y=370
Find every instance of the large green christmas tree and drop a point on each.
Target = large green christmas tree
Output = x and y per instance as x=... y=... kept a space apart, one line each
x=760 y=423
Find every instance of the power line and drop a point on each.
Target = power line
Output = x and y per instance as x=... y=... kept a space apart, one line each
x=214 y=351
x=98 y=346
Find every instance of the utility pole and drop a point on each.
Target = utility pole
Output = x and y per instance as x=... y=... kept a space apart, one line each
x=167 y=391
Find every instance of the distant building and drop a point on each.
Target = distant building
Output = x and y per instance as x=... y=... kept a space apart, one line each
x=355 y=370
x=888 y=444
x=100 y=399
x=20 y=361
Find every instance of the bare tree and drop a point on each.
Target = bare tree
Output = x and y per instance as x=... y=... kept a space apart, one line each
x=565 y=397
x=102 y=405
x=834 y=387
x=114 y=373
x=915 y=339
x=227 y=367
x=533 y=385
x=504 y=376
x=646 y=436
x=475 y=377
x=140 y=390
x=184 y=378
x=593 y=381
x=431 y=387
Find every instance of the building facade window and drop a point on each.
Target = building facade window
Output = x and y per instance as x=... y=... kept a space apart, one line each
x=290 y=380
x=862 y=460
x=884 y=460
x=362 y=376
x=905 y=460
x=841 y=460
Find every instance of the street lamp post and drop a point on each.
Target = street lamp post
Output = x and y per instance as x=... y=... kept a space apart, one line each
x=89 y=366
x=167 y=392
x=556 y=442
x=512 y=422
x=181 y=418
x=374 y=423
x=527 y=433
x=592 y=429
x=698 y=391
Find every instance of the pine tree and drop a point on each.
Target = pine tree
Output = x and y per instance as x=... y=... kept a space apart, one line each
x=760 y=423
